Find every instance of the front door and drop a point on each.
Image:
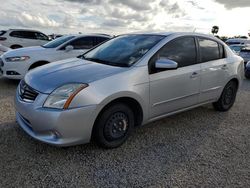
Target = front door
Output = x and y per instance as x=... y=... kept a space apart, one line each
x=172 y=90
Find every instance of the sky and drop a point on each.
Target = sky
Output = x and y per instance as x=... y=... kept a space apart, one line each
x=126 y=16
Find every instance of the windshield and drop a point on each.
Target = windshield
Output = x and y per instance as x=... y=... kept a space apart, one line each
x=57 y=42
x=236 y=48
x=124 y=50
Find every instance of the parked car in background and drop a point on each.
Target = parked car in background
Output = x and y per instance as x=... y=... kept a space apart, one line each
x=17 y=63
x=237 y=48
x=245 y=54
x=3 y=49
x=126 y=82
x=247 y=70
x=18 y=38
x=238 y=41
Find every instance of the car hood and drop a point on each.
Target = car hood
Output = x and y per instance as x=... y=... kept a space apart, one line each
x=47 y=78
x=24 y=51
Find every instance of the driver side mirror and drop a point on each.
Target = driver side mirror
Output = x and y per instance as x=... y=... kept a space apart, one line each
x=164 y=63
x=69 y=48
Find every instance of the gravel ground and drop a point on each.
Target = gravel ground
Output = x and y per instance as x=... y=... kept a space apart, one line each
x=198 y=148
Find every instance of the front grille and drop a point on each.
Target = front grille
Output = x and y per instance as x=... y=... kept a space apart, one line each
x=27 y=93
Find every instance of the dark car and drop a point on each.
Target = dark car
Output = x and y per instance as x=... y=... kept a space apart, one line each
x=245 y=54
x=247 y=70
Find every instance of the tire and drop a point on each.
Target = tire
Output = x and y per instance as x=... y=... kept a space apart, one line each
x=247 y=76
x=114 y=126
x=227 y=97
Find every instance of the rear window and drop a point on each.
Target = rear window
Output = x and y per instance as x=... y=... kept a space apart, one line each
x=2 y=33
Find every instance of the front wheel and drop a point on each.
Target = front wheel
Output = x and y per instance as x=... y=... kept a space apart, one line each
x=227 y=97
x=114 y=126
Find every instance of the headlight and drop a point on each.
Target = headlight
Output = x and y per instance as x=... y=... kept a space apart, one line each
x=18 y=58
x=248 y=64
x=62 y=96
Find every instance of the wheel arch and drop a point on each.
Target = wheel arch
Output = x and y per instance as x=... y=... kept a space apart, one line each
x=133 y=103
x=38 y=64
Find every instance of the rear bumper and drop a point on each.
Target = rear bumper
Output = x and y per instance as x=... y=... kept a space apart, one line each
x=55 y=127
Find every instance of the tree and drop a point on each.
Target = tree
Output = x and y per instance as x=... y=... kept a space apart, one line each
x=215 y=29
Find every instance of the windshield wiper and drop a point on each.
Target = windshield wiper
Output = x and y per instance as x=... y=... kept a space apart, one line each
x=96 y=60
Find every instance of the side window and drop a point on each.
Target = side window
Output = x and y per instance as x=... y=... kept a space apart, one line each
x=23 y=34
x=83 y=43
x=100 y=40
x=41 y=36
x=181 y=50
x=15 y=34
x=209 y=50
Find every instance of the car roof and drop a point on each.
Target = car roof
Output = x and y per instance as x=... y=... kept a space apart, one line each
x=23 y=30
x=91 y=34
x=178 y=34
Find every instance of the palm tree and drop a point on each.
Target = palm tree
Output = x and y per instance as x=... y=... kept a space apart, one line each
x=215 y=29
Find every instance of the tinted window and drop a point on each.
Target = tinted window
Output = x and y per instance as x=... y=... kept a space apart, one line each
x=41 y=36
x=100 y=40
x=209 y=50
x=83 y=43
x=182 y=51
x=57 y=42
x=15 y=34
x=2 y=33
x=23 y=34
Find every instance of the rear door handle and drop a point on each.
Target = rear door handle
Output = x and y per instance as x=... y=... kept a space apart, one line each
x=194 y=75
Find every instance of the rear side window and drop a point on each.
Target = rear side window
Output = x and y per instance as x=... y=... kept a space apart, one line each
x=83 y=43
x=210 y=50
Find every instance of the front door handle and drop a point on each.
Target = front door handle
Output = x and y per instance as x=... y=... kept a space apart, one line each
x=194 y=75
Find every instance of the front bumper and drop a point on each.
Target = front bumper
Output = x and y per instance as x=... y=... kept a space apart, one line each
x=55 y=127
x=14 y=70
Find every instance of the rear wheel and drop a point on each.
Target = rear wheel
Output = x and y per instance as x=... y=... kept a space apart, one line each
x=227 y=98
x=114 y=126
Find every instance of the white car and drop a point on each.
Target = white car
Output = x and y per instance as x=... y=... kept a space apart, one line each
x=15 y=64
x=18 y=38
x=3 y=49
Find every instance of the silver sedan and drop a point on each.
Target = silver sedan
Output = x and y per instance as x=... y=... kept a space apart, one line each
x=128 y=81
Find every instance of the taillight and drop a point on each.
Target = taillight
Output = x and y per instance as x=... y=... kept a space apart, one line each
x=2 y=38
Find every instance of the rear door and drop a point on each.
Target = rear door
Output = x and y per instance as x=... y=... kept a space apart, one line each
x=172 y=90
x=213 y=69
